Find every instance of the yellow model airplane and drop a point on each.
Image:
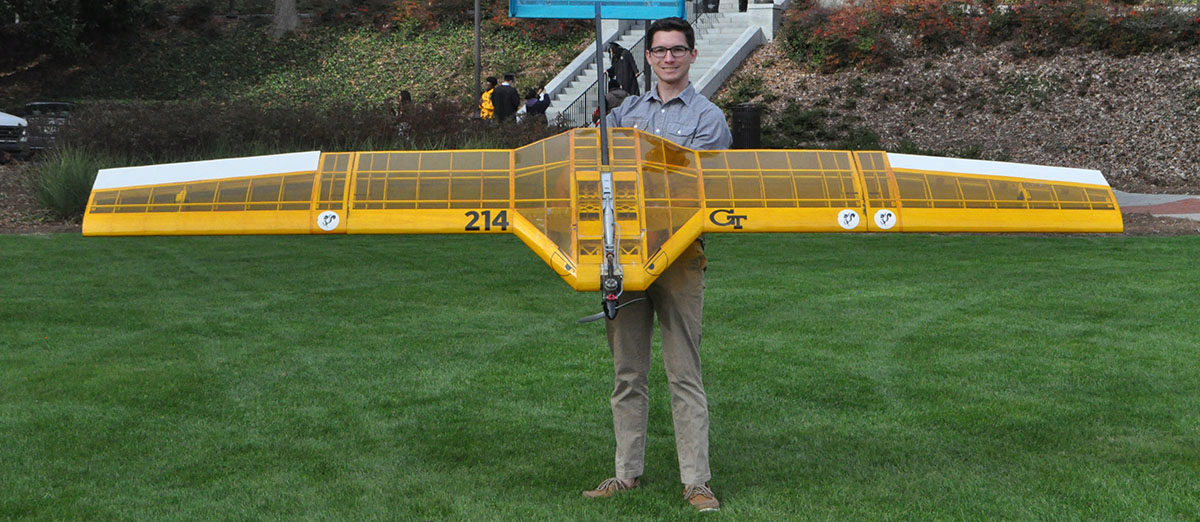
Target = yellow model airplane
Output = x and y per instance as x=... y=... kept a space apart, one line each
x=606 y=224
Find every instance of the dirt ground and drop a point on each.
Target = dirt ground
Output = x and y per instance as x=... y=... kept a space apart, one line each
x=20 y=213
x=19 y=209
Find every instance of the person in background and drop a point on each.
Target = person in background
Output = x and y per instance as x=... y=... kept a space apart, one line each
x=505 y=98
x=486 y=110
x=615 y=95
x=536 y=103
x=675 y=111
x=612 y=99
x=623 y=68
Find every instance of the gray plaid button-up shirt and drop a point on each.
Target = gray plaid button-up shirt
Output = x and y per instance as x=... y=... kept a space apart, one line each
x=689 y=120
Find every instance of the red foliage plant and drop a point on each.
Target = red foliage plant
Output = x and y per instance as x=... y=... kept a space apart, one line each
x=876 y=33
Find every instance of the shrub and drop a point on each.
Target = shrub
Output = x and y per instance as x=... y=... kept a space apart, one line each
x=1042 y=27
x=972 y=151
x=938 y=25
x=152 y=132
x=741 y=90
x=877 y=33
x=180 y=131
x=801 y=128
x=828 y=39
x=63 y=179
x=120 y=134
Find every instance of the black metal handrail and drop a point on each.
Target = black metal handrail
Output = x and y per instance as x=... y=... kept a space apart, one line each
x=578 y=113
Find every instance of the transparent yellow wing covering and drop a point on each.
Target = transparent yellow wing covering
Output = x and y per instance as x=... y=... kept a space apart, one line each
x=548 y=194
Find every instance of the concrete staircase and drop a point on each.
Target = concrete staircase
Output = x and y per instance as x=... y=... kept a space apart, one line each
x=583 y=80
x=723 y=40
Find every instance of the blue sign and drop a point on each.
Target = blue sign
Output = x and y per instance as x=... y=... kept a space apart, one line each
x=609 y=9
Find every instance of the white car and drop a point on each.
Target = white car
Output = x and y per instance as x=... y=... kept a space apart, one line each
x=14 y=134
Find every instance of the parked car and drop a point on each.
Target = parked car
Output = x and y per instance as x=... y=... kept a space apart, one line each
x=14 y=135
x=45 y=120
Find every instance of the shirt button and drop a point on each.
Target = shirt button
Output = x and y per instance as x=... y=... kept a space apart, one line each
x=662 y=111
x=656 y=131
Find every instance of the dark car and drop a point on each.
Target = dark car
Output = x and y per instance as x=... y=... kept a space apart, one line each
x=45 y=120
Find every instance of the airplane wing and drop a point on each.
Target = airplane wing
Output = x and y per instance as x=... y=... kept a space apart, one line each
x=549 y=194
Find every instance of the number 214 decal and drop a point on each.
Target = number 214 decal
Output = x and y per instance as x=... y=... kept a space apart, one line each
x=484 y=221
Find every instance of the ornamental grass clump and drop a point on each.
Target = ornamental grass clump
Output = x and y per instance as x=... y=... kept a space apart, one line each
x=63 y=179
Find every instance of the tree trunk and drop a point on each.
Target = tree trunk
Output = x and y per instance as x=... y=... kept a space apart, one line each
x=287 y=18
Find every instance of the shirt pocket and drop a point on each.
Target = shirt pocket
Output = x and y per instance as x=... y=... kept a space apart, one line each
x=680 y=132
x=637 y=123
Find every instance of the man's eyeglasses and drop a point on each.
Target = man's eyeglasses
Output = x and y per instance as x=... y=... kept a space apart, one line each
x=678 y=51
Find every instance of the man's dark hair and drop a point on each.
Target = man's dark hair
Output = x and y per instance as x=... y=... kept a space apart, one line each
x=491 y=80
x=531 y=93
x=673 y=23
x=510 y=77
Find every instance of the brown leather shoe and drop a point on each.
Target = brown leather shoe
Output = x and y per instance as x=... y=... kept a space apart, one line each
x=701 y=497
x=610 y=487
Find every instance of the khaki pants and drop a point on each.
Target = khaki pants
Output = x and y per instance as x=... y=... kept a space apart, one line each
x=677 y=297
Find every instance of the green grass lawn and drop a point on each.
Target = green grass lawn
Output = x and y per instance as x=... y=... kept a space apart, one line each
x=444 y=377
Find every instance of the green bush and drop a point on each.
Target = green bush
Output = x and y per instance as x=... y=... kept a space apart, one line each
x=156 y=132
x=741 y=89
x=122 y=134
x=819 y=128
x=63 y=179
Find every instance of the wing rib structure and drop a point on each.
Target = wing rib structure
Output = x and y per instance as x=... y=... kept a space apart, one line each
x=548 y=193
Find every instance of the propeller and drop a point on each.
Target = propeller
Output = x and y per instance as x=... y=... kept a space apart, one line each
x=600 y=315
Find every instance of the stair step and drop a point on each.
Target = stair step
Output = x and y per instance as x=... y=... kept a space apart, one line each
x=715 y=32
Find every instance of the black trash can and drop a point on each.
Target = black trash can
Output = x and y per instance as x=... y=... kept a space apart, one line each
x=747 y=126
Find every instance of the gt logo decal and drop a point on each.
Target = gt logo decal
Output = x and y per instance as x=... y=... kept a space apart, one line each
x=727 y=218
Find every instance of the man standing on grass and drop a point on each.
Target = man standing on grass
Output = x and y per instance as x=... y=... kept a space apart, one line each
x=673 y=110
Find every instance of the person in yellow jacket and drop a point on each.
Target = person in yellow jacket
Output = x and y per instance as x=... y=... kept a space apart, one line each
x=487 y=111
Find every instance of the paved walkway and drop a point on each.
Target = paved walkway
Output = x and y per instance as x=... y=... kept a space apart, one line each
x=1161 y=205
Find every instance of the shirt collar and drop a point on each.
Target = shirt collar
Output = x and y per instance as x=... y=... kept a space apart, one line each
x=687 y=96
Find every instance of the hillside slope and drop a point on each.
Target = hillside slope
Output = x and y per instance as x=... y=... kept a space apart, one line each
x=1135 y=119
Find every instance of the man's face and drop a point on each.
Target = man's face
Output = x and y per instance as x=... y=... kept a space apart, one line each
x=671 y=69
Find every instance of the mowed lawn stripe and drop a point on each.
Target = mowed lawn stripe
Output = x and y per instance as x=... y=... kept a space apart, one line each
x=432 y=377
